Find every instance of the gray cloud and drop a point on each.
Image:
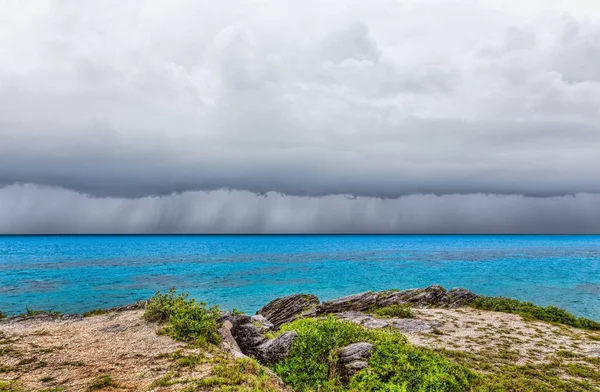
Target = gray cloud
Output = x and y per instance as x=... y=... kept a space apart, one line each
x=378 y=100
x=27 y=209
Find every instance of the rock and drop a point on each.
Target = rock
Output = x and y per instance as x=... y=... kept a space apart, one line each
x=261 y=322
x=228 y=342
x=276 y=349
x=247 y=335
x=356 y=303
x=362 y=319
x=460 y=297
x=355 y=352
x=410 y=326
x=353 y=358
x=434 y=295
x=286 y=309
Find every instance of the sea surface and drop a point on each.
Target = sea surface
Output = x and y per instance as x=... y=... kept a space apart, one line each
x=80 y=273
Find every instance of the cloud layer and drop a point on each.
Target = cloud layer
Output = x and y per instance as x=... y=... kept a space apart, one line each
x=27 y=209
x=379 y=99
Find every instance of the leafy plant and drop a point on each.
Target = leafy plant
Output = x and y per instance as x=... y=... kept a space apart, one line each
x=184 y=318
x=395 y=365
x=529 y=311
x=396 y=310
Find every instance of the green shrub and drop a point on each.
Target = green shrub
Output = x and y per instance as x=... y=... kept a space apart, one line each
x=395 y=365
x=3 y=315
x=396 y=310
x=184 y=319
x=529 y=311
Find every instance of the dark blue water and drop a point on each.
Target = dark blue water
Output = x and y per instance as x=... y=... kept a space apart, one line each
x=78 y=273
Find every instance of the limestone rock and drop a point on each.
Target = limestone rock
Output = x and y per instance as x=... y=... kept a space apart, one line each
x=460 y=297
x=276 y=349
x=356 y=303
x=353 y=358
x=286 y=309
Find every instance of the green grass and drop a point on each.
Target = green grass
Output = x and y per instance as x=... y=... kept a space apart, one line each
x=10 y=386
x=101 y=382
x=396 y=310
x=184 y=318
x=31 y=312
x=529 y=311
x=395 y=365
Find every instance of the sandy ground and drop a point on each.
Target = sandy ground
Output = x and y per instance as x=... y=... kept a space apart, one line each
x=473 y=330
x=71 y=354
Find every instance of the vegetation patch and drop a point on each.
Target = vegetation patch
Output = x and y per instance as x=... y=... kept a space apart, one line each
x=529 y=311
x=395 y=365
x=101 y=383
x=396 y=310
x=184 y=318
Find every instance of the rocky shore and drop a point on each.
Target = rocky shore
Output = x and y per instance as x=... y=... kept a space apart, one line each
x=120 y=350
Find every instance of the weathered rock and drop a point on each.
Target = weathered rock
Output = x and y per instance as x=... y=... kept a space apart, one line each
x=354 y=303
x=228 y=342
x=276 y=349
x=410 y=326
x=247 y=335
x=362 y=319
x=434 y=295
x=286 y=309
x=400 y=324
x=261 y=322
x=458 y=297
x=353 y=358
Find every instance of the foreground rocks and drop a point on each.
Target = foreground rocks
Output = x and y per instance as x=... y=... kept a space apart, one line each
x=289 y=308
x=246 y=335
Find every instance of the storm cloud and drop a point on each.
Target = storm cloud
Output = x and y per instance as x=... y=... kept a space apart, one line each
x=362 y=109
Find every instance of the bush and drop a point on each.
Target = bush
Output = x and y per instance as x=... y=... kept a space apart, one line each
x=396 y=310
x=529 y=311
x=3 y=315
x=395 y=365
x=184 y=319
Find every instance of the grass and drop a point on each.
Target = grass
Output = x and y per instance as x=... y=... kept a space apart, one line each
x=31 y=312
x=184 y=318
x=395 y=365
x=396 y=310
x=101 y=382
x=529 y=311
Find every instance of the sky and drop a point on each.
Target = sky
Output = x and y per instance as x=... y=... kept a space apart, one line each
x=271 y=116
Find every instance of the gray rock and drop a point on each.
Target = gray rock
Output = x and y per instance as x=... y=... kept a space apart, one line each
x=228 y=342
x=355 y=352
x=362 y=319
x=410 y=326
x=261 y=322
x=276 y=349
x=356 y=303
x=286 y=309
x=247 y=335
x=460 y=297
x=353 y=358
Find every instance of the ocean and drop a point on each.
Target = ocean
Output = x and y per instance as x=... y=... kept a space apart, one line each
x=79 y=273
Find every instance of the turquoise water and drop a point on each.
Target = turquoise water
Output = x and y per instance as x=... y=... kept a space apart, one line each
x=79 y=273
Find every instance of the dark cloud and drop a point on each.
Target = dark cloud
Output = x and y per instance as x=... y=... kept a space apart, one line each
x=379 y=100
x=29 y=209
